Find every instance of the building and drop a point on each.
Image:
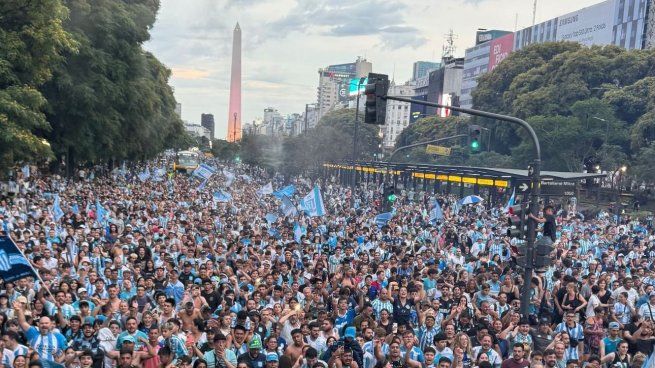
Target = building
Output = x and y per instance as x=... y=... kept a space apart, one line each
x=338 y=83
x=272 y=124
x=622 y=23
x=197 y=130
x=207 y=121
x=478 y=58
x=234 y=110
x=398 y=113
x=423 y=68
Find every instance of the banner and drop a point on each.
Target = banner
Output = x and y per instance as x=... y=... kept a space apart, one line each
x=287 y=207
x=382 y=219
x=312 y=204
x=13 y=265
x=57 y=212
x=204 y=171
x=288 y=191
x=222 y=196
x=265 y=190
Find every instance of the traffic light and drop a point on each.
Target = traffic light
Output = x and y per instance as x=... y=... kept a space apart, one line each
x=517 y=221
x=375 y=110
x=474 y=137
x=388 y=198
x=543 y=247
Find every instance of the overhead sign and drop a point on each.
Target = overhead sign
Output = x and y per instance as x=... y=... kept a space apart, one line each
x=589 y=26
x=437 y=150
x=558 y=188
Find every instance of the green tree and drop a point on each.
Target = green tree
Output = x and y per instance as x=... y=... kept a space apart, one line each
x=111 y=99
x=31 y=40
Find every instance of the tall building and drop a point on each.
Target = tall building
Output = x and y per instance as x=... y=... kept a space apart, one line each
x=626 y=23
x=335 y=84
x=207 y=121
x=272 y=124
x=234 y=114
x=423 y=68
x=398 y=113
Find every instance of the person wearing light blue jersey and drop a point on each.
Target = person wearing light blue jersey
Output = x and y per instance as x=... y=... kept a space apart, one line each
x=48 y=344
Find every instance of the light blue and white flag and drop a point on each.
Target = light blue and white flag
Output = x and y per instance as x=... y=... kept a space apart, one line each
x=383 y=218
x=222 y=196
x=75 y=208
x=287 y=207
x=288 y=191
x=246 y=178
x=274 y=233
x=145 y=175
x=204 y=172
x=57 y=212
x=202 y=185
x=650 y=362
x=101 y=213
x=26 y=171
x=510 y=203
x=229 y=177
x=435 y=213
x=312 y=204
x=271 y=218
x=298 y=232
x=265 y=190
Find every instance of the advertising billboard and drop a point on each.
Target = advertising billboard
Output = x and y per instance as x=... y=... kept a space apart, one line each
x=499 y=50
x=352 y=86
x=350 y=68
x=483 y=36
x=589 y=26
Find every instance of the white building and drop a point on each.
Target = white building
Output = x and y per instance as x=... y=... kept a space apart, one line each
x=398 y=113
x=197 y=130
x=334 y=84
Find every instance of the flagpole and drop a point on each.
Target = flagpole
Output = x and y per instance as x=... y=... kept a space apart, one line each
x=32 y=267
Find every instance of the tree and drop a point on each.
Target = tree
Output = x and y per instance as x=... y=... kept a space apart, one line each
x=225 y=150
x=31 y=40
x=111 y=99
x=643 y=164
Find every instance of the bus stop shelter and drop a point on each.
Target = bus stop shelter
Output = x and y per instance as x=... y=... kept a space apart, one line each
x=447 y=179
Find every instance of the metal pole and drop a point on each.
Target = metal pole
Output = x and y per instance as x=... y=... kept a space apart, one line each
x=535 y=176
x=353 y=183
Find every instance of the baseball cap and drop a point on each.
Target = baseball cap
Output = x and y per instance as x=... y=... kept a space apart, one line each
x=81 y=290
x=351 y=332
x=614 y=326
x=255 y=343
x=129 y=338
x=272 y=357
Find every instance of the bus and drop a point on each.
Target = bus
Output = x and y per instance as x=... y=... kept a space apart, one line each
x=186 y=161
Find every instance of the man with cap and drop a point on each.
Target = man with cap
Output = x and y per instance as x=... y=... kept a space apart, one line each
x=542 y=335
x=88 y=342
x=253 y=357
x=272 y=360
x=221 y=356
x=610 y=342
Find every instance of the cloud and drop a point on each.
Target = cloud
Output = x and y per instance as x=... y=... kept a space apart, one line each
x=342 y=18
x=191 y=74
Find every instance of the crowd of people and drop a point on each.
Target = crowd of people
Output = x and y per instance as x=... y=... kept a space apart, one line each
x=157 y=272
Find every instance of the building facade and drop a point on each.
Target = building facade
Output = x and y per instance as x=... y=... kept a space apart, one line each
x=398 y=113
x=334 y=84
x=423 y=68
x=207 y=121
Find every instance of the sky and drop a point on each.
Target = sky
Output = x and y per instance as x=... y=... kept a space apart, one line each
x=285 y=42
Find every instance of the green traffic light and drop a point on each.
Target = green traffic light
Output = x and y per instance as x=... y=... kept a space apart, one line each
x=475 y=144
x=392 y=198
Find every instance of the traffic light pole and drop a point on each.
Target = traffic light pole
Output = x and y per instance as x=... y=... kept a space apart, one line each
x=353 y=183
x=535 y=175
x=424 y=143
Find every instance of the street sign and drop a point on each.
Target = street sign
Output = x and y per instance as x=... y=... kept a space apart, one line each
x=437 y=150
x=558 y=188
x=523 y=188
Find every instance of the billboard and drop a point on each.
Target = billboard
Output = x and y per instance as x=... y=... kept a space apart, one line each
x=589 y=26
x=352 y=86
x=499 y=49
x=483 y=36
x=350 y=68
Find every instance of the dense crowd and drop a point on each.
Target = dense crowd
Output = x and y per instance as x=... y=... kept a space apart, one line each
x=157 y=272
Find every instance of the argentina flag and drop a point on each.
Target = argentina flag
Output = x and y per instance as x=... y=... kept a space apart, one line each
x=312 y=203
x=13 y=265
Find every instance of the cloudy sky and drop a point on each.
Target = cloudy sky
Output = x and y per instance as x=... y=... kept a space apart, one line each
x=286 y=41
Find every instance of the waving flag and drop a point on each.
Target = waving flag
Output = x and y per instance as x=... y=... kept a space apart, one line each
x=298 y=232
x=288 y=191
x=75 y=208
x=204 y=172
x=650 y=362
x=222 y=196
x=271 y=218
x=287 y=207
x=312 y=204
x=436 y=213
x=57 y=212
x=382 y=219
x=145 y=175
x=102 y=214
x=510 y=203
x=274 y=233
x=229 y=177
x=13 y=264
x=265 y=190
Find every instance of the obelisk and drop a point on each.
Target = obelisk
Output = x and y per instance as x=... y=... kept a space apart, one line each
x=234 y=115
